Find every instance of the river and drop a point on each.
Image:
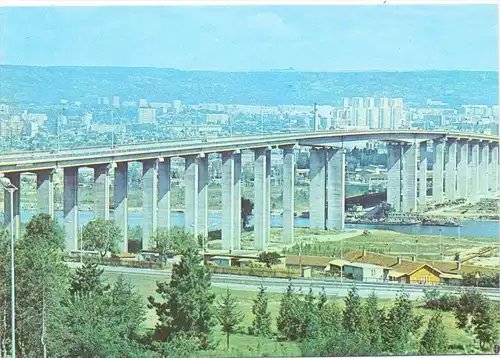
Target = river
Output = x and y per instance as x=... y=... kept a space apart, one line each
x=470 y=228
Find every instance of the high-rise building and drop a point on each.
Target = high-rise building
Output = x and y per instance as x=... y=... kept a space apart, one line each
x=147 y=115
x=396 y=117
x=384 y=102
x=143 y=103
x=357 y=102
x=359 y=116
x=100 y=100
x=177 y=106
x=369 y=102
x=116 y=101
x=346 y=101
x=385 y=117
x=372 y=117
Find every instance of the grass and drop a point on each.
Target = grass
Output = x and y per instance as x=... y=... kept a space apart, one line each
x=387 y=242
x=243 y=344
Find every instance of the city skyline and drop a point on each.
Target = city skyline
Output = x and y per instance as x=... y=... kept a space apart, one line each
x=256 y=38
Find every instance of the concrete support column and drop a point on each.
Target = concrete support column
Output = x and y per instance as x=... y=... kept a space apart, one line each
x=237 y=201
x=422 y=174
x=15 y=179
x=394 y=176
x=149 y=201
x=259 y=216
x=101 y=191
x=191 y=194
x=450 y=179
x=45 y=191
x=120 y=202
x=438 y=171
x=463 y=169
x=474 y=171
x=203 y=181
x=70 y=193
x=288 y=194
x=317 y=185
x=164 y=186
x=484 y=153
x=409 y=177
x=267 y=216
x=336 y=188
x=493 y=169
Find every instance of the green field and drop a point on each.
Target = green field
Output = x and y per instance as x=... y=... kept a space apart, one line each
x=244 y=344
x=387 y=242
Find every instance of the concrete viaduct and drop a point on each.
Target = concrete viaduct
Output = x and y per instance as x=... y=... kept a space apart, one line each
x=465 y=165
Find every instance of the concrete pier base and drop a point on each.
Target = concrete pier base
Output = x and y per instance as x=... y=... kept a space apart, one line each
x=191 y=194
x=260 y=200
x=422 y=175
x=438 y=171
x=164 y=187
x=463 y=175
x=450 y=179
x=149 y=202
x=409 y=177
x=101 y=191
x=15 y=179
x=394 y=176
x=288 y=194
x=317 y=189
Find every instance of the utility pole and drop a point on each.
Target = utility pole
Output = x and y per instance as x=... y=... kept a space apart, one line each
x=440 y=245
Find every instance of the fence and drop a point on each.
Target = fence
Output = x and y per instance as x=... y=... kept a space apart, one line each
x=255 y=271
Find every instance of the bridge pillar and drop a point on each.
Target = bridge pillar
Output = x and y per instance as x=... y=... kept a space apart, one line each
x=438 y=170
x=484 y=151
x=422 y=174
x=260 y=201
x=45 y=191
x=231 y=201
x=164 y=186
x=149 y=201
x=203 y=182
x=394 y=176
x=474 y=171
x=288 y=194
x=462 y=169
x=70 y=193
x=237 y=201
x=493 y=168
x=15 y=179
x=191 y=194
x=336 y=188
x=450 y=179
x=101 y=191
x=409 y=177
x=267 y=217
x=317 y=189
x=120 y=202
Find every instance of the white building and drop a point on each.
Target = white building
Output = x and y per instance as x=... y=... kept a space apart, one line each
x=146 y=115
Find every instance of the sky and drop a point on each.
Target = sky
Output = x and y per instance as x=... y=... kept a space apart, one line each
x=255 y=38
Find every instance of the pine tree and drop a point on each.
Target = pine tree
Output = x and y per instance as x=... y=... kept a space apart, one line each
x=87 y=280
x=486 y=324
x=187 y=303
x=322 y=299
x=352 y=320
x=261 y=325
x=434 y=340
x=373 y=319
x=228 y=316
x=400 y=326
x=287 y=321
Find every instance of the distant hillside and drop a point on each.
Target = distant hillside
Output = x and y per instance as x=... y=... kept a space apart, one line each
x=49 y=84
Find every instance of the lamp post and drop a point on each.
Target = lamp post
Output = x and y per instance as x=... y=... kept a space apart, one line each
x=440 y=245
x=8 y=186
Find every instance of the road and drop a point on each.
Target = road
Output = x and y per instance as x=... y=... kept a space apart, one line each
x=332 y=287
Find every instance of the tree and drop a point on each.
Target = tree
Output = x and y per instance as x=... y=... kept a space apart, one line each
x=434 y=340
x=228 y=316
x=352 y=320
x=246 y=210
x=261 y=324
x=373 y=317
x=400 y=325
x=102 y=236
x=269 y=258
x=186 y=303
x=42 y=229
x=287 y=320
x=172 y=242
x=87 y=280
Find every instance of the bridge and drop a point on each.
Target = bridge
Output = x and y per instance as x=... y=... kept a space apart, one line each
x=458 y=161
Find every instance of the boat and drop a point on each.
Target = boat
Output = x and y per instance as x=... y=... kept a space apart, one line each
x=433 y=222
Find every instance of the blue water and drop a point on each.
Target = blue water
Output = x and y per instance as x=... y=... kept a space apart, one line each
x=470 y=228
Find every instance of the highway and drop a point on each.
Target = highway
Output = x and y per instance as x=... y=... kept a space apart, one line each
x=278 y=285
x=32 y=161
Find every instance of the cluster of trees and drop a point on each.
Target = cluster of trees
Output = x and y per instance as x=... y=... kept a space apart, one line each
x=60 y=313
